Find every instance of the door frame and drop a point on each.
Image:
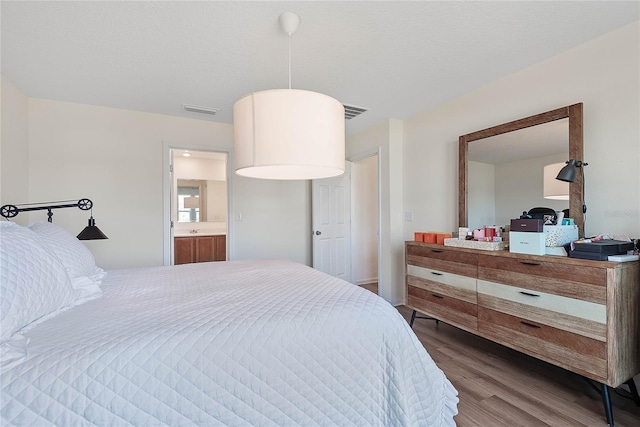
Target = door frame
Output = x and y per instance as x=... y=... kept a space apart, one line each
x=167 y=230
x=355 y=158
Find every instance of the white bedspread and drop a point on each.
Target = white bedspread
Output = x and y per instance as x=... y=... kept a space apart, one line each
x=265 y=342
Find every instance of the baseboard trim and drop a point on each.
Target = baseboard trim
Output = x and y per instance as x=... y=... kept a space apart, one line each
x=367 y=281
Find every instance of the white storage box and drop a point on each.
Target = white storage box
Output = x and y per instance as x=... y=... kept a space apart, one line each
x=555 y=250
x=523 y=242
x=560 y=235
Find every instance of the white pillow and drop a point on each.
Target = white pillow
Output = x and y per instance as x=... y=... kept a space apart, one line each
x=75 y=256
x=33 y=281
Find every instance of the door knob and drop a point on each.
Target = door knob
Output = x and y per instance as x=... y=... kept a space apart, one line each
x=318 y=233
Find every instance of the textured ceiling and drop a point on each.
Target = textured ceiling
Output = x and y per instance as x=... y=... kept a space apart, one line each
x=394 y=58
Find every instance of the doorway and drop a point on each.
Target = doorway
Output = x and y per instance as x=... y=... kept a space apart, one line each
x=350 y=203
x=196 y=188
x=331 y=224
x=365 y=220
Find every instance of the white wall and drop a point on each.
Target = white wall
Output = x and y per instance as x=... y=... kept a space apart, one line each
x=603 y=74
x=364 y=220
x=386 y=140
x=14 y=148
x=217 y=201
x=276 y=219
x=520 y=186
x=115 y=158
x=481 y=200
x=198 y=168
x=498 y=193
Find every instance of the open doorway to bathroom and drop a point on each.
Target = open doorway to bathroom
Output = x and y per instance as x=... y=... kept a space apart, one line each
x=365 y=222
x=198 y=204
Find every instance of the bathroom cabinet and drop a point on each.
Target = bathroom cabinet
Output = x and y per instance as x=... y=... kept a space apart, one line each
x=189 y=249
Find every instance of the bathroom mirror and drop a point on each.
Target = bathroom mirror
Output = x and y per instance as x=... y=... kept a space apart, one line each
x=192 y=200
x=528 y=140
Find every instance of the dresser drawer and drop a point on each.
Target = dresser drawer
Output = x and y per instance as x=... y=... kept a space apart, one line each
x=442 y=258
x=441 y=306
x=573 y=315
x=567 y=288
x=537 y=267
x=444 y=283
x=569 y=350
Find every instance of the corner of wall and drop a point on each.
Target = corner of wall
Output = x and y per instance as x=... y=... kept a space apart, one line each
x=14 y=146
x=396 y=196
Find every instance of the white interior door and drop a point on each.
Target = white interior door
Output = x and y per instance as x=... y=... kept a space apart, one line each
x=331 y=223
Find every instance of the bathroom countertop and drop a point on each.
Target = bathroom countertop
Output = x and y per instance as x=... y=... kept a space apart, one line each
x=200 y=233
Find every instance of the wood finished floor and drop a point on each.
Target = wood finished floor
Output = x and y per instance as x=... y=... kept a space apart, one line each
x=373 y=287
x=498 y=386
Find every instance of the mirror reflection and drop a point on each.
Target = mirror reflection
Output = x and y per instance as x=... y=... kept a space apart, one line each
x=192 y=194
x=506 y=173
x=201 y=188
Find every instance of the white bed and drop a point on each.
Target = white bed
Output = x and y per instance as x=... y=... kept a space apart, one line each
x=263 y=342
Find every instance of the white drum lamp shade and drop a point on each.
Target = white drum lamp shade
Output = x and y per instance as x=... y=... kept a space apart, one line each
x=288 y=134
x=555 y=189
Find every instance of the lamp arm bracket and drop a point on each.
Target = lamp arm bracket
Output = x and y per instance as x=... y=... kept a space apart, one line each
x=11 y=211
x=577 y=163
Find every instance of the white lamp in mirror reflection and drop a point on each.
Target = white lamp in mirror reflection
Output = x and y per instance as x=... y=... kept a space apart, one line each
x=192 y=202
x=555 y=189
x=288 y=133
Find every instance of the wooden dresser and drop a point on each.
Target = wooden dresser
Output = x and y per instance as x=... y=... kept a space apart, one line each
x=581 y=315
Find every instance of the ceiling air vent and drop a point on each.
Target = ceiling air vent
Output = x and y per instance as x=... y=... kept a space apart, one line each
x=202 y=110
x=351 y=111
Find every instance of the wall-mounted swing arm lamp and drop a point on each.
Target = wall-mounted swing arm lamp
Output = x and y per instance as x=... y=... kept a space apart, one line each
x=90 y=232
x=568 y=174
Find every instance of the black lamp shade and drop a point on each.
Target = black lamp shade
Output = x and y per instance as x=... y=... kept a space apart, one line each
x=91 y=232
x=568 y=173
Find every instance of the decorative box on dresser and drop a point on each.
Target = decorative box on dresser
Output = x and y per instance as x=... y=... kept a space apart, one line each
x=581 y=315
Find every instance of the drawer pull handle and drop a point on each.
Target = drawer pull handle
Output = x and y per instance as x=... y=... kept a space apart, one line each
x=437 y=296
x=436 y=273
x=529 y=294
x=529 y=263
x=436 y=251
x=531 y=325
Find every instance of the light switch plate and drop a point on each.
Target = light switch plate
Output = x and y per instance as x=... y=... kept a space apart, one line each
x=408 y=216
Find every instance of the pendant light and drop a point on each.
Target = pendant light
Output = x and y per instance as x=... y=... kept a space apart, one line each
x=288 y=134
x=568 y=174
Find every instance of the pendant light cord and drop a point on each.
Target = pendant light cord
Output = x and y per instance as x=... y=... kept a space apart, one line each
x=289 y=60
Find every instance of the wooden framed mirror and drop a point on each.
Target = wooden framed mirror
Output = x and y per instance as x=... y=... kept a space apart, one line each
x=571 y=114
